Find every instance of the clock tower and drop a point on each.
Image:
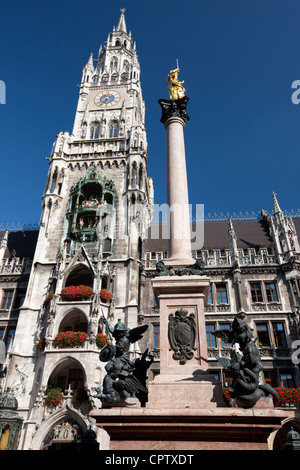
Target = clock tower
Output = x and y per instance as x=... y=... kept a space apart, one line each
x=96 y=208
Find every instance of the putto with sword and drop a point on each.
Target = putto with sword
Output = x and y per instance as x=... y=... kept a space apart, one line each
x=124 y=377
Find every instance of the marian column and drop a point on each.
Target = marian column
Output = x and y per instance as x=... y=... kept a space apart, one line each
x=174 y=117
x=180 y=287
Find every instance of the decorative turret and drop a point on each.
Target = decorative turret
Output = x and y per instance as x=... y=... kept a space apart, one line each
x=233 y=244
x=283 y=231
x=237 y=278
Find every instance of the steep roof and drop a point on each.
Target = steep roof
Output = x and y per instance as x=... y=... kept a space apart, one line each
x=249 y=233
x=20 y=243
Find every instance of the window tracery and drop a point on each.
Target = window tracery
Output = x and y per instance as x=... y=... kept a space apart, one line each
x=113 y=130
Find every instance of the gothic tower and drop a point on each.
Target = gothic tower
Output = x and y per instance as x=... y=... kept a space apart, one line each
x=96 y=207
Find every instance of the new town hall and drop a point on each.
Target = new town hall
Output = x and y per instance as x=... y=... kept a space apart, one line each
x=96 y=210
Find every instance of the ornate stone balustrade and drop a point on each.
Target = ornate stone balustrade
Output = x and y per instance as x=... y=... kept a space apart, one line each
x=15 y=266
x=265 y=352
x=217 y=308
x=214 y=258
x=267 y=307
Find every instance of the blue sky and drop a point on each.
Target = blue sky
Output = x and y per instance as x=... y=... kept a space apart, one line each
x=238 y=60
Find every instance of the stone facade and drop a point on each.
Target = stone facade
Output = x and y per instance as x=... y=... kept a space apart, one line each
x=96 y=206
x=253 y=266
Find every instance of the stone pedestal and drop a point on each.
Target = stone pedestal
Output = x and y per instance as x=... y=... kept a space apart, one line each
x=189 y=429
x=188 y=384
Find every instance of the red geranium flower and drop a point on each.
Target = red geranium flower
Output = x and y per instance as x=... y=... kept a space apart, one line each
x=105 y=295
x=101 y=340
x=76 y=292
x=70 y=339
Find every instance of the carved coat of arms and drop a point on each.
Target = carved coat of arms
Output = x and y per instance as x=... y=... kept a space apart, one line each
x=182 y=335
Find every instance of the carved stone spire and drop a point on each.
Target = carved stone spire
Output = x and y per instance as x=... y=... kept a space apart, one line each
x=278 y=214
x=122 y=23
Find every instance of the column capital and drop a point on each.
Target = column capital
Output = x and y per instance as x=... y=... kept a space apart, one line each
x=174 y=108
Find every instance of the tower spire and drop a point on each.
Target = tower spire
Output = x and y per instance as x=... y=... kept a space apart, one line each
x=276 y=205
x=122 y=23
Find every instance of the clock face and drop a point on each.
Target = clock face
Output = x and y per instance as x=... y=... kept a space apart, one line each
x=110 y=98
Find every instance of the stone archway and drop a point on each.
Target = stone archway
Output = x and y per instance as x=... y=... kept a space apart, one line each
x=49 y=433
x=67 y=373
x=80 y=274
x=63 y=436
x=73 y=320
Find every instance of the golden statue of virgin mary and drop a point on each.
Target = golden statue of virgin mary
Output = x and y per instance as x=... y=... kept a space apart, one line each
x=175 y=87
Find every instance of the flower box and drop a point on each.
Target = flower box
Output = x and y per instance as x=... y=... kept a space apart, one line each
x=55 y=396
x=288 y=396
x=70 y=339
x=105 y=295
x=80 y=292
x=101 y=340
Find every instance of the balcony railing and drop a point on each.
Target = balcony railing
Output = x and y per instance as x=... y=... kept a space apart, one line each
x=221 y=258
x=16 y=266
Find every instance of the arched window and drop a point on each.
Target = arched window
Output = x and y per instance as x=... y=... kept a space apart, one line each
x=81 y=275
x=74 y=321
x=113 y=64
x=95 y=131
x=67 y=373
x=113 y=129
x=53 y=182
x=141 y=176
x=104 y=283
x=133 y=175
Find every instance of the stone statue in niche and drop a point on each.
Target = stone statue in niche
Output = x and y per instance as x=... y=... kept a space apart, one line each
x=182 y=335
x=245 y=368
x=121 y=380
